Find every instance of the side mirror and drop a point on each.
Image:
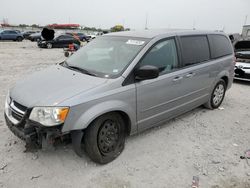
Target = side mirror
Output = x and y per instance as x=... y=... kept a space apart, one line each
x=146 y=72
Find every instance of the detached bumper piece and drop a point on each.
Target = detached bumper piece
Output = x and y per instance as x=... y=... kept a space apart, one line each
x=35 y=135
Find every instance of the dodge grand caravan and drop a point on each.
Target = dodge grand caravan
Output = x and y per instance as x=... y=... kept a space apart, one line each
x=118 y=85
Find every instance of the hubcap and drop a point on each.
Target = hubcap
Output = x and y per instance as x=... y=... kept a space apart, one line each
x=218 y=94
x=108 y=136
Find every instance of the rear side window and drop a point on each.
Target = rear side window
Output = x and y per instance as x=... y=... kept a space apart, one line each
x=195 y=49
x=12 y=32
x=220 y=46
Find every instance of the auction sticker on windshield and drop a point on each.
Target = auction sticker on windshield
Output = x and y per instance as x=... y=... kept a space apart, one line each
x=135 y=42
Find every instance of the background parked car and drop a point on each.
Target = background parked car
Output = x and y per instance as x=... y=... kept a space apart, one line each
x=80 y=36
x=242 y=66
x=35 y=37
x=26 y=34
x=11 y=35
x=61 y=41
x=91 y=36
x=246 y=32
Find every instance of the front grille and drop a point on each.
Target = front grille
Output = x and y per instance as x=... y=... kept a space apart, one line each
x=19 y=106
x=16 y=115
x=17 y=111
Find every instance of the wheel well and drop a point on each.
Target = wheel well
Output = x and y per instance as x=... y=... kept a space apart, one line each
x=125 y=117
x=225 y=78
x=126 y=120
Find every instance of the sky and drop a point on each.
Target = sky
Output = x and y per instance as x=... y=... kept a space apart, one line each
x=229 y=15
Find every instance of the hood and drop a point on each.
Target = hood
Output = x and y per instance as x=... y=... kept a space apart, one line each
x=242 y=45
x=242 y=49
x=52 y=86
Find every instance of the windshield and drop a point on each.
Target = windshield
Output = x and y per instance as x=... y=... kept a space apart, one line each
x=107 y=56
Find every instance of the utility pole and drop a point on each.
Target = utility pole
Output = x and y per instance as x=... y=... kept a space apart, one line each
x=223 y=28
x=146 y=24
x=194 y=25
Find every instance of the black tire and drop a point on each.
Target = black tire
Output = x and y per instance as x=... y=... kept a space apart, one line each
x=66 y=54
x=219 y=92
x=104 y=139
x=19 y=39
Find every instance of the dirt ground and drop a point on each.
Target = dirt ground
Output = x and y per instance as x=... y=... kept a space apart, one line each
x=203 y=143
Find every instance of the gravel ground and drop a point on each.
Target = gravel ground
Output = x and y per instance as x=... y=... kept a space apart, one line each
x=202 y=143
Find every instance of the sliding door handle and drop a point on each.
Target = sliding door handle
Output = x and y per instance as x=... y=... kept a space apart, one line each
x=177 y=78
x=189 y=75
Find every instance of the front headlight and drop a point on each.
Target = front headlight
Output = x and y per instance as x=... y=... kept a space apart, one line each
x=49 y=116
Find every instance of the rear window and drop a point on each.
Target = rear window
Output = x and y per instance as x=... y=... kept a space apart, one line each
x=195 y=49
x=220 y=46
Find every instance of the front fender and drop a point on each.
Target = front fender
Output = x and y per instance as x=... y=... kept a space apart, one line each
x=101 y=108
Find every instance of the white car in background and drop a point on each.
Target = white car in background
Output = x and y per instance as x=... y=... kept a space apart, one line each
x=242 y=66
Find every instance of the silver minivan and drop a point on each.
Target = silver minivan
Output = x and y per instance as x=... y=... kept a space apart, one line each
x=120 y=84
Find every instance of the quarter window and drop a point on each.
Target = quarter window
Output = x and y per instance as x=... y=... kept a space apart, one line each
x=195 y=49
x=220 y=46
x=163 y=55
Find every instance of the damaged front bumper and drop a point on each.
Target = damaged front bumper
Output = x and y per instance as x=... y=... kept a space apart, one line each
x=242 y=73
x=34 y=134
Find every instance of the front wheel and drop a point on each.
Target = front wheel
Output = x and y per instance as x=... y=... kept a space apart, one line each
x=19 y=39
x=217 y=95
x=104 y=139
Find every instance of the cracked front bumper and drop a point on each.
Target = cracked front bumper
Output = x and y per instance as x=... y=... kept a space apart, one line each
x=34 y=133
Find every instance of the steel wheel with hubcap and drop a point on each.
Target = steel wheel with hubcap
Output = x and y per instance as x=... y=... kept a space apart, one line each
x=104 y=139
x=108 y=136
x=217 y=95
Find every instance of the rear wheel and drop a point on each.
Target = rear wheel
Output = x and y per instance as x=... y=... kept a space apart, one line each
x=217 y=95
x=104 y=139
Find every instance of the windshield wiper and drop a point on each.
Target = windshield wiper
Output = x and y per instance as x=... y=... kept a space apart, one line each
x=79 y=69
